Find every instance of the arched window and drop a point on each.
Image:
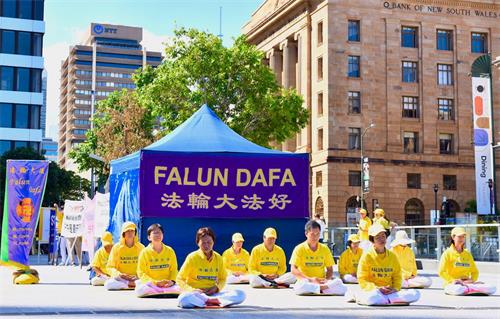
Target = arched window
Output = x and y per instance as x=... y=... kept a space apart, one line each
x=453 y=208
x=319 y=207
x=414 y=212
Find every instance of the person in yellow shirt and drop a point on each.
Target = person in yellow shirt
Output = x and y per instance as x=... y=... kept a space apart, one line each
x=312 y=265
x=100 y=260
x=349 y=260
x=458 y=269
x=123 y=257
x=379 y=274
x=268 y=264
x=202 y=276
x=364 y=224
x=401 y=248
x=157 y=266
x=236 y=260
x=379 y=218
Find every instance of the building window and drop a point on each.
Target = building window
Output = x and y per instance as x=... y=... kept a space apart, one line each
x=35 y=118
x=410 y=72
x=445 y=74
x=410 y=107
x=22 y=9
x=17 y=42
x=22 y=116
x=319 y=178
x=409 y=37
x=445 y=109
x=320 y=33
x=410 y=142
x=354 y=138
x=82 y=122
x=6 y=78
x=8 y=41
x=413 y=181
x=9 y=9
x=6 y=115
x=353 y=66
x=354 y=178
x=354 y=102
x=320 y=68
x=479 y=42
x=79 y=132
x=320 y=139
x=20 y=79
x=450 y=182
x=4 y=147
x=445 y=143
x=320 y=104
x=353 y=31
x=444 y=40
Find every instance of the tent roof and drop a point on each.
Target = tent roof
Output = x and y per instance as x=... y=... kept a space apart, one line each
x=205 y=132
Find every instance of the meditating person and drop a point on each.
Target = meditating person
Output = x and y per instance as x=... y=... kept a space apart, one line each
x=236 y=260
x=401 y=248
x=123 y=258
x=379 y=274
x=99 y=262
x=349 y=260
x=268 y=264
x=202 y=277
x=312 y=265
x=157 y=266
x=458 y=269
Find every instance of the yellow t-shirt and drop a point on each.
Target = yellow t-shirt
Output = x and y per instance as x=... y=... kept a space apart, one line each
x=363 y=226
x=100 y=260
x=454 y=265
x=263 y=261
x=123 y=259
x=198 y=272
x=348 y=261
x=59 y=217
x=312 y=263
x=382 y=221
x=234 y=262
x=406 y=259
x=154 y=267
x=379 y=270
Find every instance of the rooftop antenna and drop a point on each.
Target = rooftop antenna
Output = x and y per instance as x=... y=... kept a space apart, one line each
x=220 y=23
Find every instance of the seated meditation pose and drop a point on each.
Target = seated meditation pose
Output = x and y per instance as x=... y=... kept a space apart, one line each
x=379 y=274
x=202 y=277
x=312 y=264
x=99 y=262
x=349 y=260
x=401 y=248
x=458 y=269
x=236 y=261
x=268 y=264
x=123 y=258
x=157 y=267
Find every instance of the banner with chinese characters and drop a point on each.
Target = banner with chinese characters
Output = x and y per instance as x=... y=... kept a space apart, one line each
x=72 y=225
x=483 y=139
x=224 y=185
x=24 y=187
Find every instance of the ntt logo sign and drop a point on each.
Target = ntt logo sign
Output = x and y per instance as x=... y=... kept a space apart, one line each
x=98 y=29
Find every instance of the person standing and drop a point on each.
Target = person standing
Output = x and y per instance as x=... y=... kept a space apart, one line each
x=322 y=224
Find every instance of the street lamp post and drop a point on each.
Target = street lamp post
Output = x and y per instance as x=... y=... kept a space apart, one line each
x=362 y=157
x=490 y=185
x=436 y=188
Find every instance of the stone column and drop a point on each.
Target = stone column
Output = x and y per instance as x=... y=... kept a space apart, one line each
x=289 y=49
x=276 y=63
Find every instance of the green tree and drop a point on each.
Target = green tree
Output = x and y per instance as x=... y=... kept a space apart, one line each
x=233 y=80
x=61 y=184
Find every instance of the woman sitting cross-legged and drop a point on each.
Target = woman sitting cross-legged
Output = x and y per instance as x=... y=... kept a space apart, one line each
x=157 y=267
x=379 y=274
x=349 y=260
x=458 y=270
x=312 y=265
x=236 y=261
x=202 y=276
x=400 y=247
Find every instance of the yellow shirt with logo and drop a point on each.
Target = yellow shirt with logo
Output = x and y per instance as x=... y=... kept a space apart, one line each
x=348 y=261
x=454 y=265
x=236 y=262
x=312 y=263
x=379 y=270
x=123 y=259
x=100 y=260
x=363 y=226
x=154 y=267
x=406 y=259
x=198 y=272
x=263 y=261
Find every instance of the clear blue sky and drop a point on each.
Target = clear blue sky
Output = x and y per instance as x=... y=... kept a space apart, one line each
x=160 y=17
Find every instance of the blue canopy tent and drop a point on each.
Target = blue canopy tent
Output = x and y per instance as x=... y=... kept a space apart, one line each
x=205 y=174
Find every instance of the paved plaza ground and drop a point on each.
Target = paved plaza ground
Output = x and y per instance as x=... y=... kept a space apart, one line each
x=65 y=291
